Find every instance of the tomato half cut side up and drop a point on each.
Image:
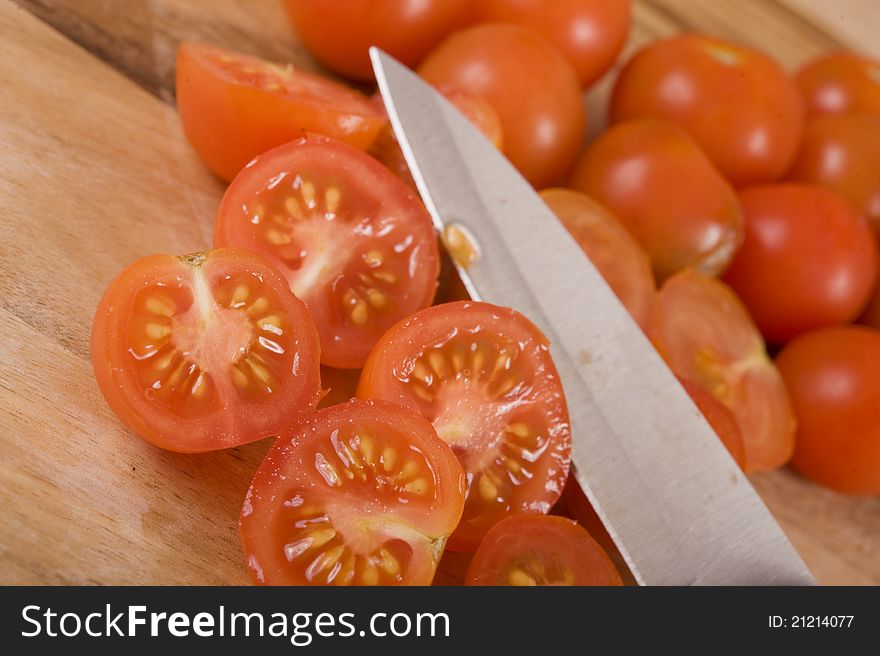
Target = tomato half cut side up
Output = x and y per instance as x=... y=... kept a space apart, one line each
x=205 y=351
x=706 y=336
x=234 y=106
x=362 y=493
x=355 y=243
x=483 y=376
x=532 y=550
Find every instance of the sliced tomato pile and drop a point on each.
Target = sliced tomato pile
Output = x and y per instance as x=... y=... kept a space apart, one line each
x=205 y=351
x=363 y=493
x=235 y=107
x=484 y=378
x=353 y=241
x=532 y=550
x=705 y=334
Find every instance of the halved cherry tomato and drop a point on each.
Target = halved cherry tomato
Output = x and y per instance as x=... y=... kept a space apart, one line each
x=842 y=153
x=532 y=87
x=808 y=260
x=736 y=102
x=205 y=351
x=363 y=493
x=529 y=550
x=483 y=376
x=666 y=192
x=840 y=82
x=705 y=334
x=478 y=111
x=613 y=251
x=720 y=418
x=833 y=376
x=589 y=33
x=355 y=243
x=234 y=107
x=338 y=385
x=339 y=33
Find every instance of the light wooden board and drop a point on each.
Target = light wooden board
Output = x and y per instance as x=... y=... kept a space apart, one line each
x=95 y=173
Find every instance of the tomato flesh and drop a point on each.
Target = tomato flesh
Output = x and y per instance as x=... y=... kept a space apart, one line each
x=362 y=493
x=353 y=241
x=532 y=550
x=235 y=107
x=484 y=378
x=205 y=351
x=720 y=418
x=705 y=334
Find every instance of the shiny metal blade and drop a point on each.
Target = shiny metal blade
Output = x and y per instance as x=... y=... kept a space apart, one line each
x=677 y=506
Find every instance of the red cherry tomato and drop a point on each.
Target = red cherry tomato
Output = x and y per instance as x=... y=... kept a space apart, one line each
x=235 y=107
x=840 y=82
x=534 y=90
x=530 y=550
x=484 y=378
x=363 y=493
x=705 y=334
x=720 y=418
x=589 y=33
x=205 y=351
x=667 y=193
x=833 y=376
x=736 y=102
x=842 y=153
x=354 y=242
x=339 y=33
x=612 y=250
x=808 y=259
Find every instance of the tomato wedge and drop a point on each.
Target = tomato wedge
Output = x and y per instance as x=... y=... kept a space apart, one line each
x=530 y=550
x=235 y=106
x=363 y=493
x=205 y=351
x=613 y=251
x=705 y=334
x=721 y=420
x=354 y=242
x=483 y=376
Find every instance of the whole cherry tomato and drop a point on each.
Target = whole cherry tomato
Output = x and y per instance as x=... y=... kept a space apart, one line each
x=833 y=377
x=532 y=87
x=339 y=33
x=840 y=82
x=843 y=153
x=589 y=33
x=738 y=104
x=666 y=192
x=808 y=260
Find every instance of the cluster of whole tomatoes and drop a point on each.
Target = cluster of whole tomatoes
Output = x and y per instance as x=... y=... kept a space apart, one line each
x=749 y=195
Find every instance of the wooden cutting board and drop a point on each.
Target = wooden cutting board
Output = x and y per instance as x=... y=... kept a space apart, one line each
x=94 y=173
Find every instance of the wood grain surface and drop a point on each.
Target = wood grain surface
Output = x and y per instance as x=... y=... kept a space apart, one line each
x=95 y=173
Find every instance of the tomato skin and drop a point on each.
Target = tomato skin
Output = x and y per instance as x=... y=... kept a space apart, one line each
x=720 y=418
x=534 y=90
x=736 y=102
x=343 y=468
x=611 y=249
x=589 y=33
x=833 y=376
x=666 y=192
x=808 y=259
x=841 y=153
x=232 y=419
x=557 y=546
x=705 y=334
x=840 y=82
x=378 y=238
x=339 y=33
x=231 y=115
x=503 y=409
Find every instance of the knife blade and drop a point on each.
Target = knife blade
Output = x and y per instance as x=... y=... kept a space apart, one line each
x=676 y=505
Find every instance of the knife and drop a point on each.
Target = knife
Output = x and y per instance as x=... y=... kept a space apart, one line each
x=675 y=503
